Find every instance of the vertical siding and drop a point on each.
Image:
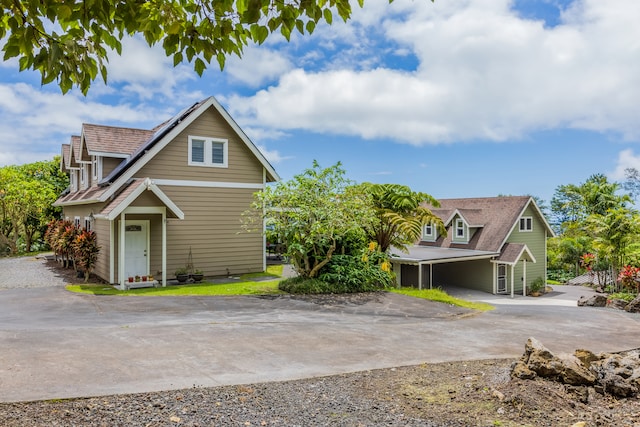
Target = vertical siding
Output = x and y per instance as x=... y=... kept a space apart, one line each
x=536 y=242
x=171 y=162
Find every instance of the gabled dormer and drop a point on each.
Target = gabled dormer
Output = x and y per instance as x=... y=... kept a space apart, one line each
x=463 y=224
x=430 y=232
x=72 y=164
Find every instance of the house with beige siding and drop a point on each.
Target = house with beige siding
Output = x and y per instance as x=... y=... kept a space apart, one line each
x=491 y=244
x=162 y=197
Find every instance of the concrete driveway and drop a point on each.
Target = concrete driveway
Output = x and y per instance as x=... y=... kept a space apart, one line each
x=56 y=344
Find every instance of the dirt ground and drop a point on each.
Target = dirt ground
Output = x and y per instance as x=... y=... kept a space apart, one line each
x=460 y=394
x=480 y=393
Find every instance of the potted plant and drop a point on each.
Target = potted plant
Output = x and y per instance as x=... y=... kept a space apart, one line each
x=137 y=278
x=537 y=287
x=182 y=274
x=144 y=278
x=197 y=276
x=130 y=279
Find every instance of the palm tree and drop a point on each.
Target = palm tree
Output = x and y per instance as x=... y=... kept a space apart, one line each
x=401 y=214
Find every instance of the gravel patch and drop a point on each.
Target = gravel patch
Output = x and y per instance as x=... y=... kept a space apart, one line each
x=28 y=272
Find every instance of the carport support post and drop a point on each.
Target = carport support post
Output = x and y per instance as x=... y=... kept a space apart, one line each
x=419 y=276
x=524 y=277
x=513 y=272
x=430 y=276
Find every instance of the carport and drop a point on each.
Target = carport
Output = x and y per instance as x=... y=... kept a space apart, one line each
x=419 y=262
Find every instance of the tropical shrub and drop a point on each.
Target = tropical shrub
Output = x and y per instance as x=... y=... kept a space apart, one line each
x=628 y=278
x=537 y=285
x=85 y=250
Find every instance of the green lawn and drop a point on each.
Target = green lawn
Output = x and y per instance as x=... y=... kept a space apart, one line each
x=438 y=295
x=246 y=286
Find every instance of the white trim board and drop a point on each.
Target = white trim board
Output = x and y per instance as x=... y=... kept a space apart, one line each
x=208 y=184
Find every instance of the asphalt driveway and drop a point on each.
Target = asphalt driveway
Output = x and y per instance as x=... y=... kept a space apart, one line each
x=56 y=344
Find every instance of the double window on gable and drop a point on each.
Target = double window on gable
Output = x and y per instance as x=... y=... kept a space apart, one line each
x=526 y=223
x=211 y=152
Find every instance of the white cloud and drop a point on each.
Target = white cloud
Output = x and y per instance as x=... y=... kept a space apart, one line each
x=626 y=159
x=146 y=71
x=483 y=73
x=33 y=123
x=273 y=156
x=257 y=66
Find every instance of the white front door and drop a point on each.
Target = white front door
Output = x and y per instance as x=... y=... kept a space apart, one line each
x=502 y=278
x=136 y=246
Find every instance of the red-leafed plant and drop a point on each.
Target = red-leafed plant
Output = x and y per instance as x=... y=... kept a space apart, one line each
x=587 y=260
x=85 y=250
x=628 y=277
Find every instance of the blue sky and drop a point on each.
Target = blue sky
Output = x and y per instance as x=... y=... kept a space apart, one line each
x=457 y=98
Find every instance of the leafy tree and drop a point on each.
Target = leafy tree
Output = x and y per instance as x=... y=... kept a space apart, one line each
x=26 y=195
x=613 y=232
x=310 y=213
x=572 y=204
x=68 y=41
x=400 y=214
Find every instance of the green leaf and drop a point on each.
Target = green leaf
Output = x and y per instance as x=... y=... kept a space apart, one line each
x=199 y=66
x=328 y=16
x=310 y=26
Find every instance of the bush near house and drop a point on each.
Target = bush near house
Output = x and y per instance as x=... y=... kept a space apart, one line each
x=73 y=246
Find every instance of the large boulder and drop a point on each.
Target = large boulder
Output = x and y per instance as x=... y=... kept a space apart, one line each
x=595 y=300
x=634 y=305
x=564 y=368
x=617 y=374
x=618 y=303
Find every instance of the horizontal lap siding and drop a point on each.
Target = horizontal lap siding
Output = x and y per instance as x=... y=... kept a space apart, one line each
x=172 y=161
x=476 y=274
x=103 y=232
x=212 y=229
x=536 y=242
x=109 y=164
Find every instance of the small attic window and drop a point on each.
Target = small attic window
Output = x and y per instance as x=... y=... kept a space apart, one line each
x=459 y=228
x=429 y=232
x=526 y=223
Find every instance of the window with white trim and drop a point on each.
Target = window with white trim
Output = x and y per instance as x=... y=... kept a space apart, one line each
x=95 y=168
x=526 y=223
x=88 y=223
x=459 y=228
x=212 y=152
x=83 y=176
x=76 y=221
x=429 y=232
x=73 y=180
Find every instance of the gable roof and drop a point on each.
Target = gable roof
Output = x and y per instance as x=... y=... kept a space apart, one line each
x=142 y=146
x=131 y=192
x=167 y=132
x=494 y=218
x=112 y=141
x=513 y=252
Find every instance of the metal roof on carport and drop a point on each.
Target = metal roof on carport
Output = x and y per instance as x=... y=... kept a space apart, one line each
x=433 y=255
